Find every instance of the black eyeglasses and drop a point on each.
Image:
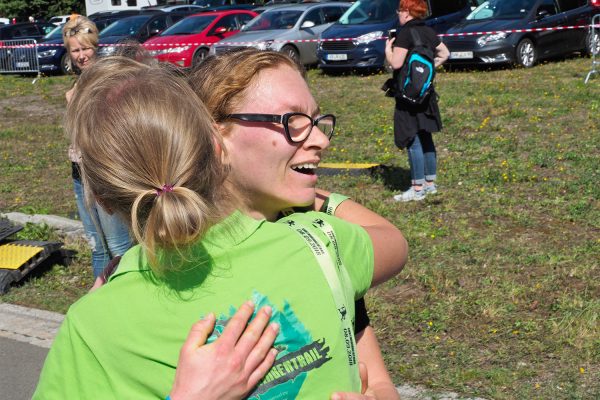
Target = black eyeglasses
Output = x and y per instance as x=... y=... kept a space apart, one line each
x=75 y=31
x=297 y=125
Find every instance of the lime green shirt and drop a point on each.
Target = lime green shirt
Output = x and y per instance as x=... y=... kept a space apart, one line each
x=123 y=340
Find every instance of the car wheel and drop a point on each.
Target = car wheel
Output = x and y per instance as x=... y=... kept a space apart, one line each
x=526 y=53
x=199 y=57
x=291 y=52
x=387 y=68
x=64 y=64
x=592 y=44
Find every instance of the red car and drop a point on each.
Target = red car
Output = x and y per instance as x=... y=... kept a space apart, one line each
x=187 y=42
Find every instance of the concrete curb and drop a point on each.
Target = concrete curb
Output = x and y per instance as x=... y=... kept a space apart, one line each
x=66 y=226
x=36 y=327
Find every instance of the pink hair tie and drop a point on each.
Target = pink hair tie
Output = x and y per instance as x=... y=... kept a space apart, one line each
x=165 y=188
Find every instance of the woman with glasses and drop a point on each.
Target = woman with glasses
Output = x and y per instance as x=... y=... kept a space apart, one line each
x=414 y=123
x=107 y=234
x=208 y=242
x=273 y=158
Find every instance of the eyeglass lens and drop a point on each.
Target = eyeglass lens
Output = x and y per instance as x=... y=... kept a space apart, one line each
x=300 y=126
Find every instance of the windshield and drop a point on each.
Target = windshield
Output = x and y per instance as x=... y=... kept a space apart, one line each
x=126 y=26
x=189 y=25
x=502 y=9
x=285 y=19
x=370 y=12
x=55 y=33
x=209 y=3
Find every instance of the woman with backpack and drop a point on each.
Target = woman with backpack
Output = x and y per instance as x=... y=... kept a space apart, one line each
x=414 y=121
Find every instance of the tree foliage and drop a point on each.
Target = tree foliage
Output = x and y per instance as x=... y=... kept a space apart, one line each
x=39 y=9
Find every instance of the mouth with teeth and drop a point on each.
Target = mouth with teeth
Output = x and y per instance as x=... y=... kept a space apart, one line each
x=306 y=168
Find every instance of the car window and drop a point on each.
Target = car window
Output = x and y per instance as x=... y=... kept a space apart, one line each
x=548 y=6
x=126 y=26
x=55 y=33
x=314 y=16
x=228 y=22
x=157 y=24
x=25 y=31
x=243 y=19
x=332 y=14
x=440 y=8
x=274 y=19
x=502 y=9
x=189 y=25
x=370 y=12
x=567 y=5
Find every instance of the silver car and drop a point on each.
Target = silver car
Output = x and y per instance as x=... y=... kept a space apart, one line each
x=292 y=29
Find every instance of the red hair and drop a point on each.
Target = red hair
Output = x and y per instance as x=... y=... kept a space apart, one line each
x=416 y=8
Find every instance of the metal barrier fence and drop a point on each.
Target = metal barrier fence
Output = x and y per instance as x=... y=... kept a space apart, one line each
x=595 y=47
x=19 y=56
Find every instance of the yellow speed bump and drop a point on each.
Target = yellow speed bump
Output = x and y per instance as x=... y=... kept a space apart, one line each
x=347 y=165
x=13 y=256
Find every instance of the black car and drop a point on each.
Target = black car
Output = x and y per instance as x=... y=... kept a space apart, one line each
x=499 y=18
x=25 y=30
x=357 y=40
x=137 y=28
x=20 y=59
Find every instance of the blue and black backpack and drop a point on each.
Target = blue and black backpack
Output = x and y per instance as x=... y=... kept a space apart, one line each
x=414 y=81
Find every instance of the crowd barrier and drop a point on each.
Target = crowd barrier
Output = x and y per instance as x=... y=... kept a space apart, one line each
x=595 y=46
x=19 y=56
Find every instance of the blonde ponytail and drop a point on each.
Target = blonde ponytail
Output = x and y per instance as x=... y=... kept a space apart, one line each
x=149 y=153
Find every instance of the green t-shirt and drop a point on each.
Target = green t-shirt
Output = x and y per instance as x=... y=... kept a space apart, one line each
x=123 y=340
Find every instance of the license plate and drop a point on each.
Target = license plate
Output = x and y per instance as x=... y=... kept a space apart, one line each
x=337 y=57
x=22 y=64
x=461 y=55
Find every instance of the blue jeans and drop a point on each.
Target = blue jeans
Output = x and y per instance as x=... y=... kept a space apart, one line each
x=422 y=158
x=107 y=234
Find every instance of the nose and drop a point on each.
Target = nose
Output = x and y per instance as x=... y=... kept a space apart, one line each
x=316 y=139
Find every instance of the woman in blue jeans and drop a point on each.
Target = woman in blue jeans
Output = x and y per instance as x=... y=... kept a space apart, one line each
x=108 y=236
x=414 y=123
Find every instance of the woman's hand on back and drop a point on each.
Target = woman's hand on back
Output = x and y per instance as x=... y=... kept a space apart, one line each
x=233 y=364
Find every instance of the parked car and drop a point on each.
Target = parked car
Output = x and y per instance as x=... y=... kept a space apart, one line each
x=357 y=40
x=183 y=8
x=52 y=55
x=188 y=41
x=104 y=19
x=137 y=28
x=524 y=48
x=59 y=19
x=291 y=29
x=25 y=30
x=209 y=4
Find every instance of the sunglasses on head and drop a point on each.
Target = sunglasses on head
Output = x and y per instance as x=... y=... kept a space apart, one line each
x=75 y=31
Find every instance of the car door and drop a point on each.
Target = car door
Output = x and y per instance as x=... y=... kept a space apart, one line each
x=546 y=15
x=576 y=13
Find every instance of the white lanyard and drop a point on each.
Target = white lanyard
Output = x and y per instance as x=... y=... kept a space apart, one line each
x=343 y=296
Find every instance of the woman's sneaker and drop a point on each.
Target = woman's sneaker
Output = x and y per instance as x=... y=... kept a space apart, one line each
x=410 y=195
x=430 y=189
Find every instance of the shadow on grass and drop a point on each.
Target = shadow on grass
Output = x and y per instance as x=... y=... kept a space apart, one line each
x=393 y=178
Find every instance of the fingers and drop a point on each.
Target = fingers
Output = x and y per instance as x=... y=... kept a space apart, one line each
x=263 y=368
x=199 y=333
x=254 y=331
x=237 y=324
x=364 y=376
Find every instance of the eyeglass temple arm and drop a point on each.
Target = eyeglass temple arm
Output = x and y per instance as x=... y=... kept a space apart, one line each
x=257 y=117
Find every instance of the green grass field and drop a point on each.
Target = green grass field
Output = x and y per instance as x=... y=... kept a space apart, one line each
x=501 y=295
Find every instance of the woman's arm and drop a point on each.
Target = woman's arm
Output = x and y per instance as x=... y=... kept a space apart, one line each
x=441 y=54
x=389 y=245
x=377 y=384
x=395 y=56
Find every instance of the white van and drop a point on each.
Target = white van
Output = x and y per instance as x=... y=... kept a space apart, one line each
x=95 y=6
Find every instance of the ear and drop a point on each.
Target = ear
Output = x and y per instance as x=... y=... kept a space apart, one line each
x=220 y=148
